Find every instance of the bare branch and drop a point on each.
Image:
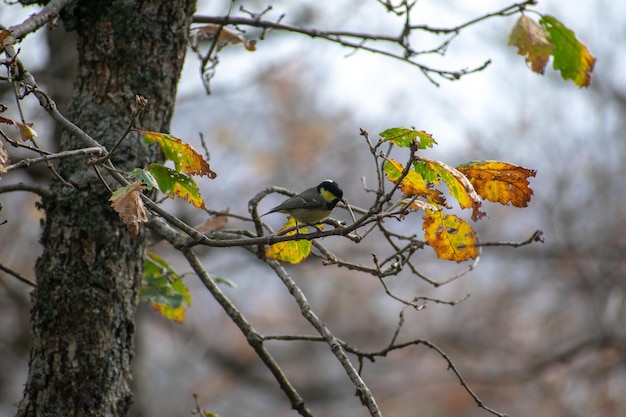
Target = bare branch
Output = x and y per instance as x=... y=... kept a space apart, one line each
x=363 y=391
x=17 y=275
x=25 y=163
x=8 y=188
x=46 y=15
x=255 y=340
x=537 y=236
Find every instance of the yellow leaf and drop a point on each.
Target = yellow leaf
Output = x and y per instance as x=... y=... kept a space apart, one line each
x=293 y=251
x=500 y=182
x=25 y=129
x=413 y=183
x=126 y=201
x=460 y=187
x=451 y=237
x=184 y=156
x=177 y=314
x=533 y=42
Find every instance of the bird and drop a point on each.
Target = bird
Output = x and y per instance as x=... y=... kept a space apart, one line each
x=312 y=205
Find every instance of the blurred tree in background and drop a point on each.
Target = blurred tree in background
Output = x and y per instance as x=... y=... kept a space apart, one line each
x=542 y=330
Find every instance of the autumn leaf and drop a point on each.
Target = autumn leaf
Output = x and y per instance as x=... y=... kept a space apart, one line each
x=4 y=159
x=403 y=137
x=126 y=201
x=571 y=57
x=164 y=289
x=6 y=38
x=174 y=183
x=292 y=251
x=451 y=237
x=413 y=183
x=26 y=131
x=413 y=204
x=533 y=42
x=500 y=182
x=460 y=187
x=184 y=156
x=226 y=36
x=145 y=177
x=212 y=223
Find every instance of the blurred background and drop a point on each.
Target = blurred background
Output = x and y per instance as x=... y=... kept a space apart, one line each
x=543 y=331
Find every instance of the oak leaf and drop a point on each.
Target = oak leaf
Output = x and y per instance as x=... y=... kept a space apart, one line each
x=126 y=201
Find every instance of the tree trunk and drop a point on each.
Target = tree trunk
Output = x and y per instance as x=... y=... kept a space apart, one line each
x=89 y=274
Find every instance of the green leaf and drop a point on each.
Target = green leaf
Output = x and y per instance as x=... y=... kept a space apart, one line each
x=403 y=137
x=174 y=183
x=571 y=57
x=164 y=289
x=145 y=177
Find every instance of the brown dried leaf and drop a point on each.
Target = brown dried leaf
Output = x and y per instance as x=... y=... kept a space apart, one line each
x=226 y=36
x=126 y=201
x=533 y=42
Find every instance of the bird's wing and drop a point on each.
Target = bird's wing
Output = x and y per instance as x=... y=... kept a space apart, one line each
x=294 y=203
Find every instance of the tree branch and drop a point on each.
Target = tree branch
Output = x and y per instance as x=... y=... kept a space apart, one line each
x=46 y=15
x=255 y=340
x=17 y=275
x=25 y=163
x=43 y=192
x=363 y=391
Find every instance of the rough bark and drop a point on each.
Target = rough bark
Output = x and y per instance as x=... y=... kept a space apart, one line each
x=90 y=271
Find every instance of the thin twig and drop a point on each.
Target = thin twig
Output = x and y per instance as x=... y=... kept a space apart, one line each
x=25 y=163
x=17 y=275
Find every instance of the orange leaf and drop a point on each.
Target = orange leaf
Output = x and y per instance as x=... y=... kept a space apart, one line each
x=500 y=182
x=451 y=237
x=533 y=42
x=126 y=201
